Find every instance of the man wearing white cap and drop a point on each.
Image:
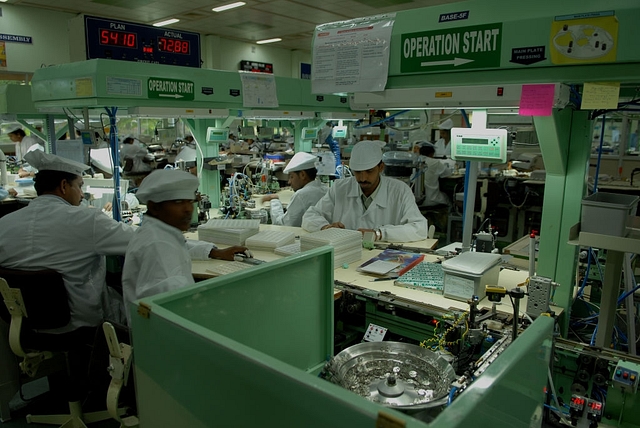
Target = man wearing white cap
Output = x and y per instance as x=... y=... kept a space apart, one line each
x=24 y=144
x=443 y=146
x=369 y=201
x=308 y=191
x=159 y=258
x=54 y=232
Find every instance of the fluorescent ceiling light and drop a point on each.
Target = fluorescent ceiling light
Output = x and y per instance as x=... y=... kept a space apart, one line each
x=166 y=22
x=262 y=42
x=228 y=6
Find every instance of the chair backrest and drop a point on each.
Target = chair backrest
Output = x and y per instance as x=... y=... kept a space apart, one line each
x=45 y=298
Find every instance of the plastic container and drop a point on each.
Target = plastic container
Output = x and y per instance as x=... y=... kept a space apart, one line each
x=608 y=213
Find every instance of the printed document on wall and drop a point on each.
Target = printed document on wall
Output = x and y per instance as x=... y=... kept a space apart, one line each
x=352 y=56
x=258 y=89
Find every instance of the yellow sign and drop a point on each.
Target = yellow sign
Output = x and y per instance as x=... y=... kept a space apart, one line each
x=444 y=94
x=84 y=87
x=3 y=56
x=584 y=40
x=601 y=95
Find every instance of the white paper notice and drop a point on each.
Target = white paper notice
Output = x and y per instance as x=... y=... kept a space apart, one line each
x=258 y=89
x=352 y=56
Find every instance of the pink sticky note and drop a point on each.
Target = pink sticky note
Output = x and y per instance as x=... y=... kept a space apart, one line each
x=537 y=100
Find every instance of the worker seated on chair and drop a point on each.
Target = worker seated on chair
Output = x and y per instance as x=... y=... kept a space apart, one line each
x=136 y=158
x=308 y=191
x=369 y=201
x=434 y=170
x=55 y=232
x=158 y=259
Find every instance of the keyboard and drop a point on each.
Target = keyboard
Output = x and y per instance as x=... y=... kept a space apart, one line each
x=227 y=267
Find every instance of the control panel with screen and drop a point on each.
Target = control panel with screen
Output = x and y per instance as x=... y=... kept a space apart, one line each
x=309 y=133
x=484 y=145
x=217 y=135
x=126 y=41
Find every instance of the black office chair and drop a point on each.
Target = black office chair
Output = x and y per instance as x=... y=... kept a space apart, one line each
x=37 y=300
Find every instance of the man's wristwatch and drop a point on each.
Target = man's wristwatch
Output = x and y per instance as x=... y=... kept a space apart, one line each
x=378 y=235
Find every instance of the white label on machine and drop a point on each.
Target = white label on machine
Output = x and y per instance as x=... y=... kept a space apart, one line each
x=473 y=144
x=375 y=333
x=456 y=286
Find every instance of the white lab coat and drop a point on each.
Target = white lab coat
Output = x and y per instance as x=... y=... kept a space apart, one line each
x=434 y=169
x=393 y=210
x=301 y=200
x=137 y=152
x=50 y=233
x=441 y=149
x=3 y=193
x=158 y=260
x=22 y=148
x=28 y=167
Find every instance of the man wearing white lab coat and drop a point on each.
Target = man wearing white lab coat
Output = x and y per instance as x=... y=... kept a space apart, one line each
x=433 y=171
x=158 y=258
x=443 y=145
x=137 y=154
x=22 y=140
x=308 y=191
x=54 y=232
x=369 y=201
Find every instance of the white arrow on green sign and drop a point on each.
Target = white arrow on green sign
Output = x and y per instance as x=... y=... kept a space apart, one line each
x=460 y=48
x=159 y=87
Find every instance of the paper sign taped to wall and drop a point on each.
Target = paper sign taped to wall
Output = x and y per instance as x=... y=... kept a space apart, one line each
x=537 y=100
x=600 y=95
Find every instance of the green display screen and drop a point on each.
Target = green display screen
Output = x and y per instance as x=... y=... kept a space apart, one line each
x=474 y=141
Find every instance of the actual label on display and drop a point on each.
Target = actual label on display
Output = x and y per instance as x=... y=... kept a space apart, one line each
x=122 y=86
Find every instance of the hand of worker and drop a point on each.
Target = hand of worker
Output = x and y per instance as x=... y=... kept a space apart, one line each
x=13 y=192
x=108 y=207
x=336 y=225
x=267 y=198
x=22 y=173
x=226 y=253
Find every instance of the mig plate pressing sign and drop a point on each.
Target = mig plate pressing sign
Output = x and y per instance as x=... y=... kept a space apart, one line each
x=452 y=49
x=352 y=56
x=161 y=88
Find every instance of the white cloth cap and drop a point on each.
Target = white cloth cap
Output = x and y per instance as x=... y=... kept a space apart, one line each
x=446 y=125
x=366 y=154
x=301 y=161
x=13 y=128
x=167 y=185
x=47 y=162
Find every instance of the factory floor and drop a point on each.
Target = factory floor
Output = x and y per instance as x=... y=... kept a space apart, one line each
x=41 y=402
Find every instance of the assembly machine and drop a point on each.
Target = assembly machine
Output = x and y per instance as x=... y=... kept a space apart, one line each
x=433 y=64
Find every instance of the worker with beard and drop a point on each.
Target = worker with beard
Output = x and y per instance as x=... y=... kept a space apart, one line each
x=369 y=201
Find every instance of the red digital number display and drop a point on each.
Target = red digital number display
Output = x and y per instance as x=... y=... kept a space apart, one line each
x=166 y=44
x=118 y=38
x=578 y=401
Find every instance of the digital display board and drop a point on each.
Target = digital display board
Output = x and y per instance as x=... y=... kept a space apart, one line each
x=127 y=41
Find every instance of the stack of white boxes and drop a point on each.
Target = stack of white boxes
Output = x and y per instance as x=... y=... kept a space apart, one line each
x=229 y=232
x=347 y=244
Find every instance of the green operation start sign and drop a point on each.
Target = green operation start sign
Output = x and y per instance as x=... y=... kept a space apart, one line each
x=159 y=87
x=452 y=49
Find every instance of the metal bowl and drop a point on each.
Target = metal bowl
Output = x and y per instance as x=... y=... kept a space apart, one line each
x=393 y=374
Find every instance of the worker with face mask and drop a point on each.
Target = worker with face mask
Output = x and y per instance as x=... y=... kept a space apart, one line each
x=308 y=191
x=369 y=201
x=443 y=145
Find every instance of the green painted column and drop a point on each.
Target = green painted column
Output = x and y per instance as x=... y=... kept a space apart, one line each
x=565 y=143
x=209 y=179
